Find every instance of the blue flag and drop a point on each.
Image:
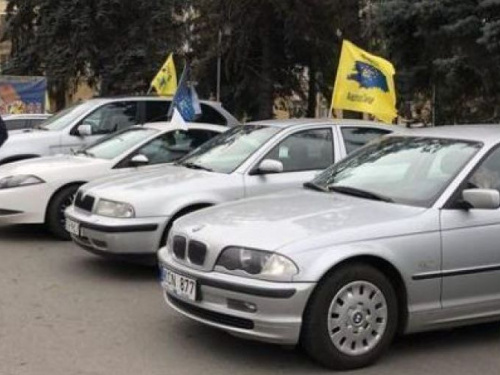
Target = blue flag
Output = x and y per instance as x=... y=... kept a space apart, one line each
x=185 y=99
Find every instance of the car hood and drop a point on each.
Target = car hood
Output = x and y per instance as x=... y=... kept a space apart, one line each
x=55 y=167
x=297 y=220
x=152 y=184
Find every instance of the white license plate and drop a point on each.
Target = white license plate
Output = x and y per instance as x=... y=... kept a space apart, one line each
x=73 y=227
x=181 y=286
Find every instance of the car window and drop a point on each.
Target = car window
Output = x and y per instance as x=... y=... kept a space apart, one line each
x=226 y=152
x=67 y=116
x=357 y=136
x=407 y=170
x=175 y=144
x=157 y=110
x=117 y=144
x=16 y=124
x=305 y=150
x=487 y=175
x=210 y=116
x=34 y=122
x=112 y=117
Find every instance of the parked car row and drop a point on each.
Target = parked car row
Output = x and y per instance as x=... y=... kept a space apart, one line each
x=86 y=122
x=335 y=234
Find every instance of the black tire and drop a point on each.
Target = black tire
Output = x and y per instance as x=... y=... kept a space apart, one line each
x=316 y=327
x=54 y=219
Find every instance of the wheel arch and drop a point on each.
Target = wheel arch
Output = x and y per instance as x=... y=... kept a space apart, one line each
x=392 y=274
x=51 y=199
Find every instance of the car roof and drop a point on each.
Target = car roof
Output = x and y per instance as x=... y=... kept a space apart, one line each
x=26 y=116
x=146 y=97
x=325 y=121
x=195 y=125
x=484 y=133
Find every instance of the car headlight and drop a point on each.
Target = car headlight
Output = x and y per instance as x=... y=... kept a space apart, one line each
x=114 y=209
x=257 y=263
x=18 y=181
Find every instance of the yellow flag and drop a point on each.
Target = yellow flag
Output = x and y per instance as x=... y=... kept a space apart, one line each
x=165 y=82
x=365 y=83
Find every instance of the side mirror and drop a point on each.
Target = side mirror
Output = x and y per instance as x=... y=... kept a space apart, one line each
x=84 y=130
x=484 y=199
x=139 y=161
x=269 y=166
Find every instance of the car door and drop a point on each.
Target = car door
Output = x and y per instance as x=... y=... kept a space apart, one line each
x=105 y=120
x=471 y=248
x=170 y=146
x=303 y=154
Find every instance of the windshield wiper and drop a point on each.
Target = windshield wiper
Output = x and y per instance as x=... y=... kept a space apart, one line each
x=313 y=186
x=191 y=165
x=359 y=193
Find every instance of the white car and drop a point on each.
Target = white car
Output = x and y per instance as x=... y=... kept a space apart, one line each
x=38 y=190
x=85 y=123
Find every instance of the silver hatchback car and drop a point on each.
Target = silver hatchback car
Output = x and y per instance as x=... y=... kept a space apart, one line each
x=402 y=236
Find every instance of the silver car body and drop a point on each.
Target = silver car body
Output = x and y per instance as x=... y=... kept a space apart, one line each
x=444 y=262
x=158 y=196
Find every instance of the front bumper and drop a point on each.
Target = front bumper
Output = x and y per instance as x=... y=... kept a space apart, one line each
x=24 y=205
x=278 y=306
x=136 y=239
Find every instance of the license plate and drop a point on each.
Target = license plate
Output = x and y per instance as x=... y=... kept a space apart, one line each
x=181 y=286
x=73 y=227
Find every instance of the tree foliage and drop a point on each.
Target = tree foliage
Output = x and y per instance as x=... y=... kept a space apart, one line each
x=268 y=46
x=118 y=44
x=451 y=46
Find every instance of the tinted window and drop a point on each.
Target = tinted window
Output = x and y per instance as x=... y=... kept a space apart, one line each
x=210 y=116
x=305 y=150
x=112 y=117
x=157 y=111
x=174 y=145
x=35 y=122
x=356 y=137
x=16 y=124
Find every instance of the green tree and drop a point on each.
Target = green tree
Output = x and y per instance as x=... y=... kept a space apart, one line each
x=448 y=46
x=267 y=47
x=118 y=44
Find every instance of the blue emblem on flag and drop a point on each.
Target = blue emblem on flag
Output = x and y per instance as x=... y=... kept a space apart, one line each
x=185 y=99
x=369 y=77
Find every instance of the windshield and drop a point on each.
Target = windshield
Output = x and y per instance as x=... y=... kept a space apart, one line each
x=404 y=170
x=117 y=144
x=229 y=150
x=67 y=116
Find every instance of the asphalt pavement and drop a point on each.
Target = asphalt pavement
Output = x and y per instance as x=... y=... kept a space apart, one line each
x=66 y=312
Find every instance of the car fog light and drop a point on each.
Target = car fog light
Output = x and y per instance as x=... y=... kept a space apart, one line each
x=241 y=305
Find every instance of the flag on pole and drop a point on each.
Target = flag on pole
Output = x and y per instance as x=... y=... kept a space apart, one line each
x=177 y=120
x=165 y=82
x=365 y=83
x=185 y=99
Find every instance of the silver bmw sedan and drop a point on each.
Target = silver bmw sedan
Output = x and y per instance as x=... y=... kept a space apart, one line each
x=402 y=236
